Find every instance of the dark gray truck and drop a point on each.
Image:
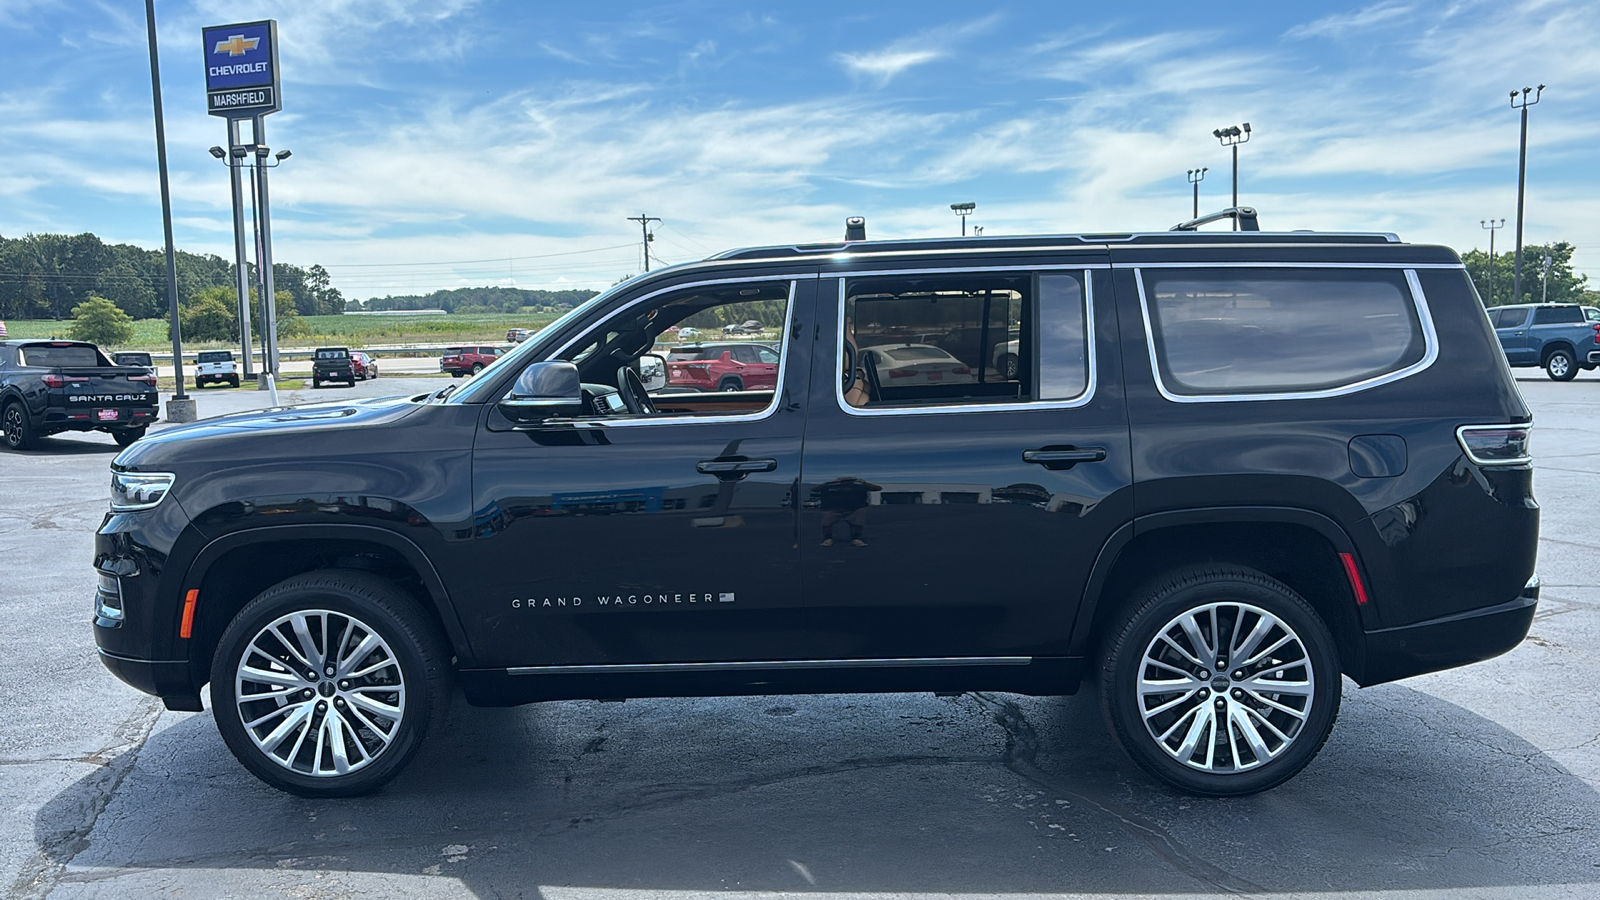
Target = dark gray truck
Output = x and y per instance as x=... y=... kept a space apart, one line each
x=47 y=387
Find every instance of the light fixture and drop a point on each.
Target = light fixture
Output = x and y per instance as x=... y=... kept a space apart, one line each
x=218 y=152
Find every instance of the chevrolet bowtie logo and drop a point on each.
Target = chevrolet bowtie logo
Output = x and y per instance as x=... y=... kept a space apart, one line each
x=237 y=44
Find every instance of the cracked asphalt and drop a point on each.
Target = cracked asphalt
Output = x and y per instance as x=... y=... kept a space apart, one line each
x=1474 y=783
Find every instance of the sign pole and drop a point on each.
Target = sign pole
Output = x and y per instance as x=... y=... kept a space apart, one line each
x=264 y=261
x=241 y=259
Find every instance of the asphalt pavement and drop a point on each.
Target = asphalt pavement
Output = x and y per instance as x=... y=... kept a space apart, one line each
x=1475 y=783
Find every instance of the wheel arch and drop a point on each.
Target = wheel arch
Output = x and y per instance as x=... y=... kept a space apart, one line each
x=1298 y=547
x=233 y=569
x=1551 y=347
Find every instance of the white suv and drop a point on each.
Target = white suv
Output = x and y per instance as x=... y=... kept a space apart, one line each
x=215 y=366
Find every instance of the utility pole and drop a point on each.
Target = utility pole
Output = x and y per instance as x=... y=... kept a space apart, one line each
x=644 y=228
x=1195 y=177
x=1233 y=136
x=1492 y=227
x=1544 y=280
x=1522 y=173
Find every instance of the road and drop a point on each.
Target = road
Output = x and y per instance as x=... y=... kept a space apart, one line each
x=1475 y=783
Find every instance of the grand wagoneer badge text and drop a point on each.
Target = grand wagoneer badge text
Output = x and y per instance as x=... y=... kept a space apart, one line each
x=622 y=601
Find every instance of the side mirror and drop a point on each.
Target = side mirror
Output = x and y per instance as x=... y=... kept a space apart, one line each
x=544 y=390
x=653 y=372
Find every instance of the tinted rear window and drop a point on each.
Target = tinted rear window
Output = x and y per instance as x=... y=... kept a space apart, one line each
x=1557 y=315
x=333 y=354
x=215 y=356
x=47 y=356
x=1255 y=331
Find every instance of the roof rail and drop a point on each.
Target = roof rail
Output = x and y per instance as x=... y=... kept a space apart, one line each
x=1244 y=215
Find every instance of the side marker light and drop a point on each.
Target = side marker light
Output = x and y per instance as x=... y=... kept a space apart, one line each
x=187 y=628
x=1354 y=575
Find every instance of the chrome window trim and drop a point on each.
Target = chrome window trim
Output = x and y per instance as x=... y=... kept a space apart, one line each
x=1430 y=339
x=1290 y=265
x=1465 y=449
x=1082 y=399
x=777 y=390
x=769 y=665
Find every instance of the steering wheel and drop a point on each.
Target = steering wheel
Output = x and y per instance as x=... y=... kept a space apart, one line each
x=634 y=396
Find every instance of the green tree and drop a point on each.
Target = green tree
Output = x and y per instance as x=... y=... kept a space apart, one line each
x=98 y=321
x=210 y=315
x=1562 y=285
x=290 y=323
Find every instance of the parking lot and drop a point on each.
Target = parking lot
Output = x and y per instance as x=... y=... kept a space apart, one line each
x=1478 y=782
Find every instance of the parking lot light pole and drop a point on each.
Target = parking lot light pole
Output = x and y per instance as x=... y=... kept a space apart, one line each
x=1195 y=177
x=963 y=210
x=1492 y=227
x=1233 y=136
x=240 y=258
x=1522 y=173
x=180 y=408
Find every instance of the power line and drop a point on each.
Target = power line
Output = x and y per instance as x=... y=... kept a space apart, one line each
x=463 y=262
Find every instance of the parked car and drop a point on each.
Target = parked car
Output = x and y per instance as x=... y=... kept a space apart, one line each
x=136 y=358
x=900 y=365
x=365 y=366
x=1241 y=468
x=722 y=367
x=1591 y=313
x=518 y=335
x=333 y=364
x=215 y=367
x=460 y=361
x=47 y=387
x=1557 y=337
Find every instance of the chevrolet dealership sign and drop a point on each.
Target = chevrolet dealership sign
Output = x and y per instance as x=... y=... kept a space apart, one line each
x=242 y=69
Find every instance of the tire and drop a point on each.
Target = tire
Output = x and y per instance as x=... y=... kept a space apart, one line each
x=126 y=436
x=731 y=384
x=18 y=427
x=1008 y=366
x=315 y=384
x=476 y=368
x=1173 y=734
x=407 y=676
x=455 y=374
x=234 y=381
x=1560 y=365
x=199 y=384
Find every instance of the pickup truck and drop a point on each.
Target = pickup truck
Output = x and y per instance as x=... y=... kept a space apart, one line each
x=1556 y=337
x=47 y=387
x=215 y=367
x=332 y=364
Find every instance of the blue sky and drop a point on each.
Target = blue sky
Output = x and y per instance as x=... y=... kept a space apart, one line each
x=448 y=143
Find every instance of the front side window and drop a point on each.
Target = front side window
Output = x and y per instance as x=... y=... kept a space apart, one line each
x=683 y=378
x=1219 y=332
x=931 y=340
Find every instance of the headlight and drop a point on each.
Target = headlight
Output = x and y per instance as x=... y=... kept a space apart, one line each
x=138 y=490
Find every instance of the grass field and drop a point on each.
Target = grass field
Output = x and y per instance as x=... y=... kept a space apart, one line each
x=355 y=331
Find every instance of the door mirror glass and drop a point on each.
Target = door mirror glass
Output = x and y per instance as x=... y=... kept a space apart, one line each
x=653 y=372
x=543 y=390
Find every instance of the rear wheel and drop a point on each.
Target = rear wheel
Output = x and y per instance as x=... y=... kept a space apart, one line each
x=1560 y=366
x=476 y=368
x=326 y=684
x=731 y=384
x=1008 y=366
x=18 y=427
x=126 y=436
x=1221 y=682
x=234 y=381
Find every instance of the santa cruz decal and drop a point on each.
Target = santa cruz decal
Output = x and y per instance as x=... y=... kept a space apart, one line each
x=625 y=601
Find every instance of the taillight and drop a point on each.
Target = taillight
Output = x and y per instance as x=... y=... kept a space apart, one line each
x=1496 y=445
x=961 y=370
x=56 y=381
x=143 y=379
x=902 y=373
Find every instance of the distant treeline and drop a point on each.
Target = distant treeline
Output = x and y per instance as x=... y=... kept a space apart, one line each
x=484 y=299
x=43 y=276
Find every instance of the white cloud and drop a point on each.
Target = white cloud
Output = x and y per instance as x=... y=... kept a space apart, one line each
x=1341 y=25
x=882 y=66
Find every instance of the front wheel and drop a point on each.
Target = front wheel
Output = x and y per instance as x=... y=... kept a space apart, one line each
x=326 y=684
x=1560 y=366
x=1221 y=682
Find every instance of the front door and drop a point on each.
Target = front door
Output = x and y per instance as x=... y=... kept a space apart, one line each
x=617 y=538
x=960 y=481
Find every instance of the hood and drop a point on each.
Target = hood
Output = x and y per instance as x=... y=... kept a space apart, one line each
x=299 y=421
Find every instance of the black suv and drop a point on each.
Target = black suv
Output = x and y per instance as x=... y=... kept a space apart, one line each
x=1225 y=470
x=332 y=364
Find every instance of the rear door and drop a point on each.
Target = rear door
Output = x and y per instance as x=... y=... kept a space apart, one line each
x=1510 y=326
x=956 y=523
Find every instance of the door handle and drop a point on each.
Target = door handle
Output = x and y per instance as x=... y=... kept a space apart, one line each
x=721 y=467
x=1063 y=457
